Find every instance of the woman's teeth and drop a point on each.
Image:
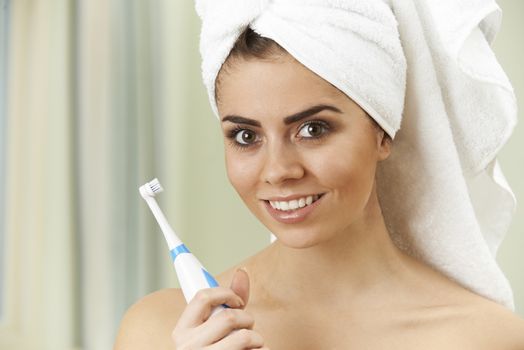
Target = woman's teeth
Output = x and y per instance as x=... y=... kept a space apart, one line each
x=294 y=204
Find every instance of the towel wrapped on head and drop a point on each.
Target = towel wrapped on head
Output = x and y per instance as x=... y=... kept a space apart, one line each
x=425 y=72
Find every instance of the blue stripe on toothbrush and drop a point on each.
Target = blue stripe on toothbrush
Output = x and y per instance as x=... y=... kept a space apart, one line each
x=212 y=283
x=181 y=249
x=210 y=280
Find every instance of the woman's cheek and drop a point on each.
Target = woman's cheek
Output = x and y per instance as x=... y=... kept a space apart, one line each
x=241 y=173
x=349 y=177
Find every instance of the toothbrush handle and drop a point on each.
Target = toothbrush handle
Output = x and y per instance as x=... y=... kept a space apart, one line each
x=192 y=276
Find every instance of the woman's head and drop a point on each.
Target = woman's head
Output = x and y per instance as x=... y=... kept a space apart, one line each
x=276 y=152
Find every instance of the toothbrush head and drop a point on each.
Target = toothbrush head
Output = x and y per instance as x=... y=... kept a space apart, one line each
x=151 y=188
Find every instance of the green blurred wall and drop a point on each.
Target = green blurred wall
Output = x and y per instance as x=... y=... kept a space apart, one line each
x=509 y=48
x=222 y=232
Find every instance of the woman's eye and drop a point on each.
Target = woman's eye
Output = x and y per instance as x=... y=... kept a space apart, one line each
x=313 y=130
x=245 y=137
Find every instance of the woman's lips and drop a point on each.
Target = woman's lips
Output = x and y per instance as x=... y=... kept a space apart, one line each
x=292 y=216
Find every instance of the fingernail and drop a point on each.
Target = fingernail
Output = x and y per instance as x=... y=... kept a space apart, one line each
x=243 y=268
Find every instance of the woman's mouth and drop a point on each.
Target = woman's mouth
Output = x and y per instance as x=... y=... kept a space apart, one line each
x=293 y=211
x=295 y=203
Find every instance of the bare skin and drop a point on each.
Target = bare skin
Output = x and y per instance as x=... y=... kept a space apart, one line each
x=334 y=280
x=446 y=317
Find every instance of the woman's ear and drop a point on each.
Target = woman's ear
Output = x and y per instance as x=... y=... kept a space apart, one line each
x=383 y=145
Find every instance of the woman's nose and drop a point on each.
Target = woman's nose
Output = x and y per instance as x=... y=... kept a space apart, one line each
x=281 y=164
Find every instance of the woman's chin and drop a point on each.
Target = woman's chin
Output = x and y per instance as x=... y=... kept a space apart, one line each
x=297 y=239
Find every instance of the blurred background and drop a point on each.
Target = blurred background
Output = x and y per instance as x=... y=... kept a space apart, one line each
x=97 y=98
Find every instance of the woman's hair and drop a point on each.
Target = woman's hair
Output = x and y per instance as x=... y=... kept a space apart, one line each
x=250 y=45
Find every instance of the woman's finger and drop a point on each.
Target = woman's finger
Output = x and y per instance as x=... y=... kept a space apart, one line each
x=240 y=284
x=199 y=308
x=239 y=340
x=222 y=324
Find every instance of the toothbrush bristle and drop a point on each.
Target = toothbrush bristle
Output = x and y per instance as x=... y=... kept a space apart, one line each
x=155 y=186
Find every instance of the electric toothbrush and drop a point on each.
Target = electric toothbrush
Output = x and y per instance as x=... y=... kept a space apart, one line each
x=192 y=276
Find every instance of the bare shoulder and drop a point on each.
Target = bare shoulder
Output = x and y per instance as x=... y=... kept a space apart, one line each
x=148 y=323
x=502 y=326
x=493 y=326
x=463 y=319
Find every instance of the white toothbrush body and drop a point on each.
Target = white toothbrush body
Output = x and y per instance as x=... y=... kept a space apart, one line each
x=192 y=276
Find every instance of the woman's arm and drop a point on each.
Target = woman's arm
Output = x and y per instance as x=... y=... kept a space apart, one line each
x=163 y=320
x=149 y=322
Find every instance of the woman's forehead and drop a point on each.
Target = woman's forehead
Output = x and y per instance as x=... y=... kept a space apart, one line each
x=282 y=87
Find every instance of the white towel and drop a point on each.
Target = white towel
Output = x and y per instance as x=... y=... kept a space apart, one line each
x=424 y=70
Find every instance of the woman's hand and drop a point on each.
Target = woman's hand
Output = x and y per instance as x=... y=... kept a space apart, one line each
x=197 y=330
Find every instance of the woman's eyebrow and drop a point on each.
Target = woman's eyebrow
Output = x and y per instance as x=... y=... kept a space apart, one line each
x=287 y=120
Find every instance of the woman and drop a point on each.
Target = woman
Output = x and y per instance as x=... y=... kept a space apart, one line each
x=303 y=156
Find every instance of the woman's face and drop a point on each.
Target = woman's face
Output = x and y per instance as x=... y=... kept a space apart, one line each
x=300 y=153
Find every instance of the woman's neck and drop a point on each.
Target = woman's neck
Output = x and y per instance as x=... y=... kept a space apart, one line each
x=356 y=263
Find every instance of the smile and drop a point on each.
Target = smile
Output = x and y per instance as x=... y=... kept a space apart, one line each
x=294 y=204
x=295 y=210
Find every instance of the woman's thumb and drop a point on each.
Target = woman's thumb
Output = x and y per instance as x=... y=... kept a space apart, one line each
x=240 y=284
